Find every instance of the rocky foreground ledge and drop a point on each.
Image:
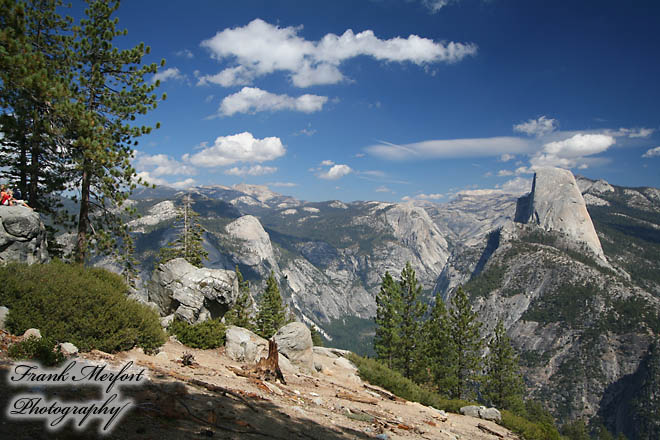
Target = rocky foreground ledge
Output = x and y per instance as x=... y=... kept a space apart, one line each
x=207 y=399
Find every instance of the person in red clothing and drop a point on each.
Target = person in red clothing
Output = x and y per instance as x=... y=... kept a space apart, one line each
x=5 y=198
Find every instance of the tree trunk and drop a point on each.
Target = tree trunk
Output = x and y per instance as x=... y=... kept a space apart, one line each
x=33 y=199
x=83 y=218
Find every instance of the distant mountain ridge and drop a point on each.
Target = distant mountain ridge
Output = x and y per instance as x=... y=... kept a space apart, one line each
x=572 y=269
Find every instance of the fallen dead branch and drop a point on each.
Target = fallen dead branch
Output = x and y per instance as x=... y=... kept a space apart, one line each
x=354 y=398
x=487 y=430
x=386 y=394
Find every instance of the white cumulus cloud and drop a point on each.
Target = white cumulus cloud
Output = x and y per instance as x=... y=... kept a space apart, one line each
x=572 y=152
x=242 y=147
x=252 y=100
x=653 y=152
x=327 y=163
x=537 y=127
x=181 y=184
x=256 y=170
x=579 y=145
x=336 y=172
x=260 y=48
x=161 y=165
x=169 y=73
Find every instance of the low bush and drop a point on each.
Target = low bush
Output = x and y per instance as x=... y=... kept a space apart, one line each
x=378 y=374
x=41 y=350
x=205 y=335
x=529 y=430
x=71 y=303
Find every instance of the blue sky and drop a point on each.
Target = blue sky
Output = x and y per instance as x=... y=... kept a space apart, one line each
x=399 y=99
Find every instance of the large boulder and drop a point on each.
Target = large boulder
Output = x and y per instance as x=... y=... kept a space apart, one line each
x=481 y=412
x=244 y=346
x=192 y=294
x=295 y=342
x=22 y=236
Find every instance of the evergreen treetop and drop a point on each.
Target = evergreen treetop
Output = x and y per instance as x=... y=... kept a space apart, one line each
x=412 y=310
x=465 y=331
x=503 y=385
x=272 y=312
x=387 y=319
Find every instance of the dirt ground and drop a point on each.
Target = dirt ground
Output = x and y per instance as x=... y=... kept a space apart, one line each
x=220 y=404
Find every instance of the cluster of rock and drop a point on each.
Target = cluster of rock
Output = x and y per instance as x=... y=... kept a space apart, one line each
x=294 y=343
x=22 y=236
x=179 y=289
x=481 y=412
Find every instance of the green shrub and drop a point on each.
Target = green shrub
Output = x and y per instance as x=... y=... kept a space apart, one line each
x=207 y=334
x=38 y=349
x=71 y=303
x=378 y=374
x=529 y=430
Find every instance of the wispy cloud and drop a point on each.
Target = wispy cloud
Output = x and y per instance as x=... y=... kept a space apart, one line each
x=436 y=196
x=653 y=152
x=260 y=48
x=185 y=53
x=537 y=127
x=283 y=184
x=452 y=148
x=252 y=100
x=256 y=170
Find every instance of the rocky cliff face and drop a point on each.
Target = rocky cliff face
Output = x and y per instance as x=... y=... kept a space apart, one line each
x=22 y=236
x=556 y=204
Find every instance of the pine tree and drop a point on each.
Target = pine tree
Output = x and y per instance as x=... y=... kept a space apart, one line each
x=503 y=385
x=466 y=342
x=408 y=351
x=109 y=92
x=35 y=91
x=272 y=313
x=190 y=240
x=388 y=304
x=241 y=313
x=439 y=350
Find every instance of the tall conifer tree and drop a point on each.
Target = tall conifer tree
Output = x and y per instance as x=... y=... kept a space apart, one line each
x=439 y=351
x=412 y=309
x=465 y=331
x=110 y=92
x=388 y=305
x=503 y=384
x=35 y=74
x=272 y=312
